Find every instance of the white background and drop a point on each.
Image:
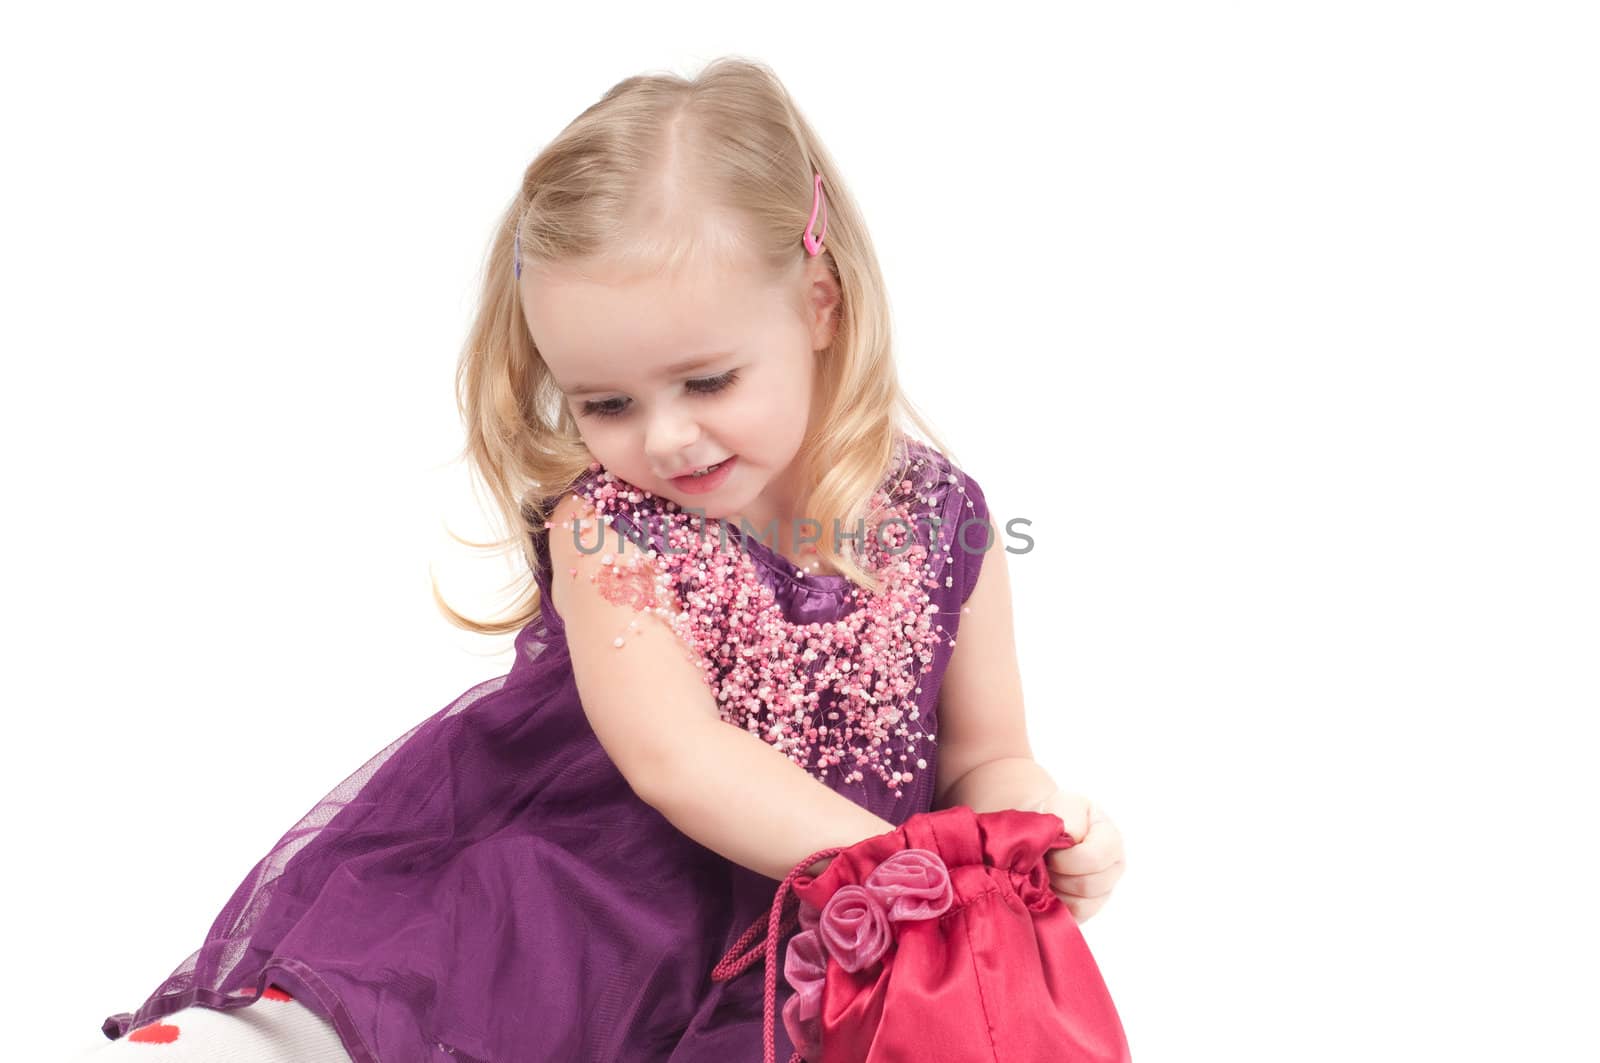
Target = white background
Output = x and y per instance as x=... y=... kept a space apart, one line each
x=1279 y=322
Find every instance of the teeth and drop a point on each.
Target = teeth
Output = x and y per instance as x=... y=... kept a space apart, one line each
x=707 y=471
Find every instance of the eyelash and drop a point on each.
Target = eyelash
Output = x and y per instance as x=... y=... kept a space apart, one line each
x=706 y=386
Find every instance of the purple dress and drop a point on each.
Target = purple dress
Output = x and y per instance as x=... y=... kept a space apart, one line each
x=489 y=888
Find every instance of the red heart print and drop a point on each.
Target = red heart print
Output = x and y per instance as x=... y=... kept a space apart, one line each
x=157 y=1033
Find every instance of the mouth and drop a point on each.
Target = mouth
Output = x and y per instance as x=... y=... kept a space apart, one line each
x=707 y=478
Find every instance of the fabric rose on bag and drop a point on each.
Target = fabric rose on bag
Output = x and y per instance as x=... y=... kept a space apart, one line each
x=855 y=928
x=805 y=966
x=912 y=884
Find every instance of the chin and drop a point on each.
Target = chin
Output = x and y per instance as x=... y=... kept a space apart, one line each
x=713 y=510
x=718 y=507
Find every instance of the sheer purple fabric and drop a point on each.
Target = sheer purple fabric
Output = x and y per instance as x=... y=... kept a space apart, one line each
x=489 y=888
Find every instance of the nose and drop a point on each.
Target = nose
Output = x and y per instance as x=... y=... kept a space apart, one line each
x=669 y=434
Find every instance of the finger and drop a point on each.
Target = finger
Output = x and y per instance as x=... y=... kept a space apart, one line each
x=1073 y=811
x=1082 y=909
x=1097 y=884
x=1094 y=855
x=1101 y=849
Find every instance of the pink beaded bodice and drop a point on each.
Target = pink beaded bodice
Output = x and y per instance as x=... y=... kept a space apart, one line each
x=839 y=697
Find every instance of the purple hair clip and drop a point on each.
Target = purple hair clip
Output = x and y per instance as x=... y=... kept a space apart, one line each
x=517 y=255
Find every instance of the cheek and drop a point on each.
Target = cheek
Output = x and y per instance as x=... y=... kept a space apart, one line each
x=598 y=435
x=771 y=437
x=612 y=445
x=743 y=412
x=766 y=422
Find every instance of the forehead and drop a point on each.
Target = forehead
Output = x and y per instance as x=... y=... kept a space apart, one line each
x=598 y=325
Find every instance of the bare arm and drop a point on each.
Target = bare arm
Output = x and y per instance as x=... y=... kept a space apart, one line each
x=740 y=797
x=981 y=717
x=655 y=716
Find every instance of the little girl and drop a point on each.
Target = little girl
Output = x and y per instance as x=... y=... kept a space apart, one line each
x=738 y=647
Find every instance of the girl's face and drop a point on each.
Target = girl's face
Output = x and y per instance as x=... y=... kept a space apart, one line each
x=666 y=375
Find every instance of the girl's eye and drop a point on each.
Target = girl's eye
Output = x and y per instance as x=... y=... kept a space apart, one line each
x=703 y=386
x=710 y=385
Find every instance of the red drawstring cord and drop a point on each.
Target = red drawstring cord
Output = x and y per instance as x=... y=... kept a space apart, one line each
x=736 y=961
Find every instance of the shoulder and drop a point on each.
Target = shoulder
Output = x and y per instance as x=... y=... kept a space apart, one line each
x=573 y=528
x=629 y=512
x=923 y=474
x=603 y=558
x=950 y=510
x=571 y=534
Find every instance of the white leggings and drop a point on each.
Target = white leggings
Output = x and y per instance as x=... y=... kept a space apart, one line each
x=275 y=1029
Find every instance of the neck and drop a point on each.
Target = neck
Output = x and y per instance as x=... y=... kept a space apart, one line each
x=780 y=504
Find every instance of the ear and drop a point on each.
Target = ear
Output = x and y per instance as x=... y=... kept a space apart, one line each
x=824 y=302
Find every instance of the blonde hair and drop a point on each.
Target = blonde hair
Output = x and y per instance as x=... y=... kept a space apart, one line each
x=632 y=181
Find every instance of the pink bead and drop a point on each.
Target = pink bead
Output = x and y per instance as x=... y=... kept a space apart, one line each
x=772 y=677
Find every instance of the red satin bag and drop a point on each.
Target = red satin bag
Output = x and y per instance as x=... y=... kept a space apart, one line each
x=961 y=951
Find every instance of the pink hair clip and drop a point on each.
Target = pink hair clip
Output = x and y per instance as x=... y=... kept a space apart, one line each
x=814 y=243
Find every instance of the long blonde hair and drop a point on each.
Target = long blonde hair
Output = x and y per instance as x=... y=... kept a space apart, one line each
x=626 y=181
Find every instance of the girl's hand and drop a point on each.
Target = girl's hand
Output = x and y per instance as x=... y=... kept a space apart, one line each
x=1083 y=875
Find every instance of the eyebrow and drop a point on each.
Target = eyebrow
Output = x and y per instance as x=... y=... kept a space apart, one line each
x=685 y=366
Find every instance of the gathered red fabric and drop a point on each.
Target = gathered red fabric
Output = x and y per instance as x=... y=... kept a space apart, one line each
x=962 y=951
